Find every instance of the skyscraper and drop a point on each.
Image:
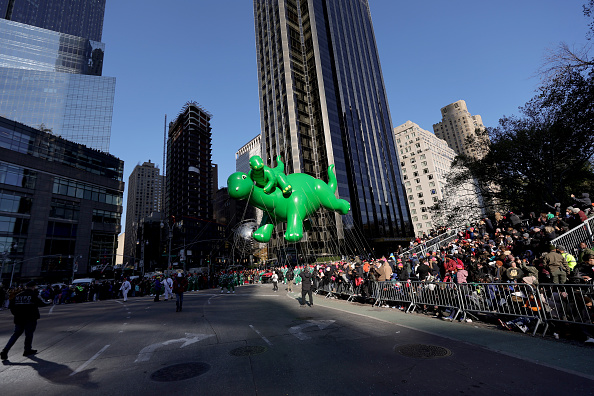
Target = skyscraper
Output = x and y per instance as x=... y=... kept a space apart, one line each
x=144 y=198
x=82 y=18
x=322 y=102
x=456 y=125
x=51 y=79
x=189 y=180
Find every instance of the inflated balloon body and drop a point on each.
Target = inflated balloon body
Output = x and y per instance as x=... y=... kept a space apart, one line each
x=307 y=195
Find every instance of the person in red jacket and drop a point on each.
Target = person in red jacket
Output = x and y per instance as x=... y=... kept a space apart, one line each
x=180 y=285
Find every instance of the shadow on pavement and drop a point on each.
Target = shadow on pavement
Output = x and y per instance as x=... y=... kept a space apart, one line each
x=58 y=373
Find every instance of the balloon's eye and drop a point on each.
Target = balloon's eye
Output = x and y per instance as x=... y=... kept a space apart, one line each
x=244 y=177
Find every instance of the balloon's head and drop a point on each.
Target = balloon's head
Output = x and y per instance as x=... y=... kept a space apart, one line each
x=256 y=162
x=239 y=185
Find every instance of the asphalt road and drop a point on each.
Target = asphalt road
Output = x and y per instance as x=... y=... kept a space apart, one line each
x=258 y=342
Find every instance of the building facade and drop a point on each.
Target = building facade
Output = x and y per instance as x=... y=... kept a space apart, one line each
x=83 y=18
x=457 y=124
x=60 y=205
x=425 y=160
x=248 y=150
x=145 y=194
x=189 y=183
x=323 y=102
x=52 y=79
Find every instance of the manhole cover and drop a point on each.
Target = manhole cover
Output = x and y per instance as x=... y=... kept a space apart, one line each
x=248 y=351
x=422 y=351
x=180 y=372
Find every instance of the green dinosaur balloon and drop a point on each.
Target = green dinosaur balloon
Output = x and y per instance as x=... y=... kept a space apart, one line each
x=308 y=194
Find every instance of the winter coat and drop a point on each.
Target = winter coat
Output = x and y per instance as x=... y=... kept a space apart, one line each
x=25 y=307
x=461 y=275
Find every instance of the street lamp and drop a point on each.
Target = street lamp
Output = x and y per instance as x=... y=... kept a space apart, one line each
x=170 y=225
x=5 y=259
x=75 y=266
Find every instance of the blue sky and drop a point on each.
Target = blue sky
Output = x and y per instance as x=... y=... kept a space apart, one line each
x=432 y=53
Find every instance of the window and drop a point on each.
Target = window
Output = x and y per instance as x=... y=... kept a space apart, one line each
x=410 y=197
x=414 y=211
x=425 y=171
x=415 y=218
x=433 y=191
x=435 y=199
x=422 y=202
x=430 y=177
x=417 y=180
x=423 y=209
x=420 y=195
x=425 y=217
x=418 y=188
x=415 y=174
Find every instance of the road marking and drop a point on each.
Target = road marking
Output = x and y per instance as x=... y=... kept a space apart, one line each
x=95 y=356
x=147 y=352
x=51 y=309
x=119 y=302
x=261 y=336
x=297 y=331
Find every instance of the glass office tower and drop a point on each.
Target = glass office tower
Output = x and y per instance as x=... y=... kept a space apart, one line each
x=322 y=102
x=52 y=81
x=83 y=18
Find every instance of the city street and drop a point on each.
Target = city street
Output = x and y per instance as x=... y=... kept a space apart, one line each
x=260 y=342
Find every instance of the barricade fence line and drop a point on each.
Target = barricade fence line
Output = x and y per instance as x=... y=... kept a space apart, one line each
x=546 y=304
x=572 y=238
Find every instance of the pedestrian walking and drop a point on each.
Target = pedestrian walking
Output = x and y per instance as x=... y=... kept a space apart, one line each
x=180 y=285
x=274 y=279
x=25 y=308
x=125 y=288
x=168 y=283
x=157 y=289
x=306 y=286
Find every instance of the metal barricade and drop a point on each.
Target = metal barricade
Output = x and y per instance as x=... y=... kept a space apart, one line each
x=393 y=291
x=333 y=288
x=435 y=294
x=571 y=239
x=567 y=304
x=507 y=299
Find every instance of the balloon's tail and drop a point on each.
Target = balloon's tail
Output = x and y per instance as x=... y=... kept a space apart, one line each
x=332 y=183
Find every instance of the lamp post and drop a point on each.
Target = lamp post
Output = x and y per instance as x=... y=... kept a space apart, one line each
x=5 y=255
x=170 y=225
x=75 y=266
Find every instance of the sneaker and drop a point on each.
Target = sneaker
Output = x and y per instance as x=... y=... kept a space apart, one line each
x=228 y=292
x=30 y=352
x=233 y=292
x=4 y=355
x=449 y=319
x=468 y=320
x=523 y=328
x=590 y=340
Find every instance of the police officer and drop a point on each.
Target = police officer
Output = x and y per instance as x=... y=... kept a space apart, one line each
x=25 y=308
x=306 y=286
